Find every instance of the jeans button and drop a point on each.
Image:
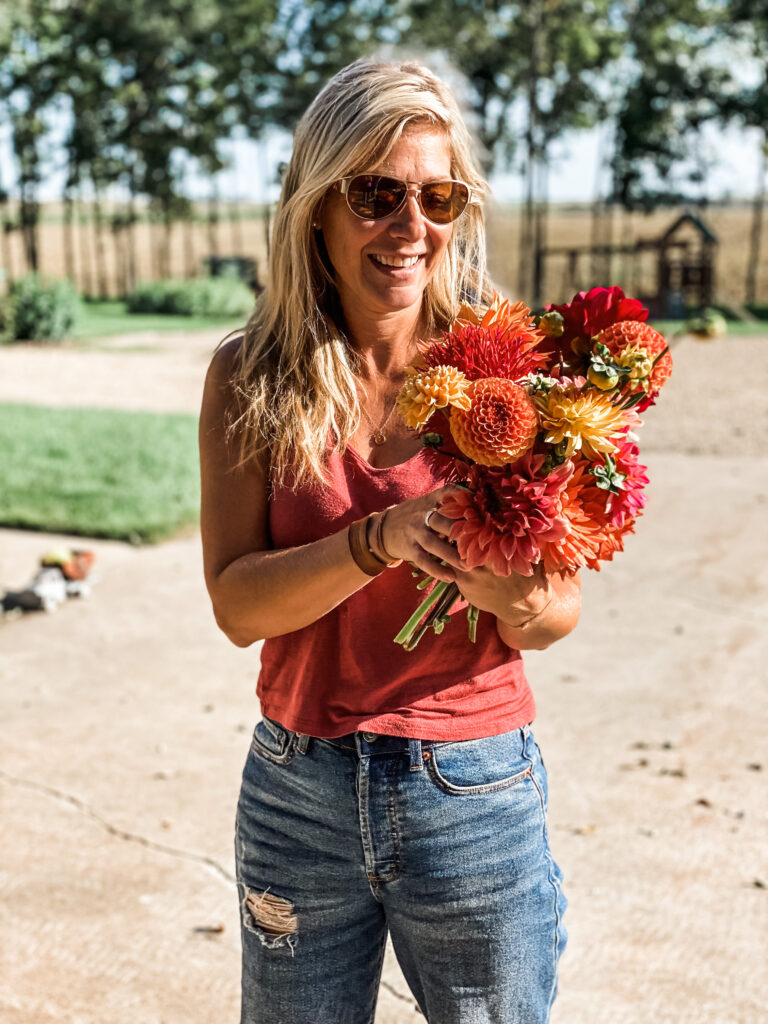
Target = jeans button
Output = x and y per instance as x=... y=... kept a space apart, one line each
x=370 y=736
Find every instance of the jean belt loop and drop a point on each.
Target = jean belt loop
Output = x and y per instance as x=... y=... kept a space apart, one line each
x=303 y=742
x=414 y=749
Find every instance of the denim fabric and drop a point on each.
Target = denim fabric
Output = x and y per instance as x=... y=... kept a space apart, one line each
x=443 y=844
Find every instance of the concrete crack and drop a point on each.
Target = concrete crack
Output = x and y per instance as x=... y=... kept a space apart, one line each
x=119 y=833
x=391 y=988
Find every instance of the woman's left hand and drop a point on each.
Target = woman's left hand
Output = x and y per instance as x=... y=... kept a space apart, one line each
x=512 y=598
x=531 y=611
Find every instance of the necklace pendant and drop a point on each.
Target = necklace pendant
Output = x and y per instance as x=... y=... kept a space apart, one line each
x=378 y=437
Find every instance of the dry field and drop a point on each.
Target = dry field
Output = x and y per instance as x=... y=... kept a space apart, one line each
x=190 y=244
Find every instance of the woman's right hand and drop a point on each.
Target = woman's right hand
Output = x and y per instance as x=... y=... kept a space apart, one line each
x=406 y=535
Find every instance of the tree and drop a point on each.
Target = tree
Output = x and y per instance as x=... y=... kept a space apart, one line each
x=30 y=37
x=534 y=71
x=672 y=84
x=747 y=27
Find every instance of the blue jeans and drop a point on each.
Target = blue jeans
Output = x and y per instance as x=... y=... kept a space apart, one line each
x=443 y=844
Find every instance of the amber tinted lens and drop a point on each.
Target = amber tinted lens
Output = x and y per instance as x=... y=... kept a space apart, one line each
x=371 y=197
x=444 y=201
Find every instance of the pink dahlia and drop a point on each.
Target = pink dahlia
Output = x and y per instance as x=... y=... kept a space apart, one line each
x=629 y=502
x=507 y=514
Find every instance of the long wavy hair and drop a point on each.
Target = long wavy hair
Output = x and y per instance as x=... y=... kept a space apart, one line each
x=294 y=377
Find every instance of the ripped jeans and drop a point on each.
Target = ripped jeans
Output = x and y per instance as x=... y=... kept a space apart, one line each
x=442 y=844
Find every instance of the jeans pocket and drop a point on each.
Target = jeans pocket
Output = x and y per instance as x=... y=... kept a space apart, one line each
x=474 y=767
x=273 y=742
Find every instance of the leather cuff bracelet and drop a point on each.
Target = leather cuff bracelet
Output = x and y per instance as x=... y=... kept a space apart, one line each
x=378 y=542
x=357 y=537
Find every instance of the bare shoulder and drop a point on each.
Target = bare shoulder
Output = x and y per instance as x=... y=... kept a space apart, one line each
x=224 y=360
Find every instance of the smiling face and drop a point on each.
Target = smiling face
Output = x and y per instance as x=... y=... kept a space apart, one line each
x=383 y=266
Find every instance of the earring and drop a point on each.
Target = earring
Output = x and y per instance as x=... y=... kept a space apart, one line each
x=316 y=225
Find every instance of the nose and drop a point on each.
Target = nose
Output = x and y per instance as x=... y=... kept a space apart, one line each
x=409 y=221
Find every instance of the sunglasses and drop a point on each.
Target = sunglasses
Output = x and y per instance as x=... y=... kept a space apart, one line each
x=372 y=197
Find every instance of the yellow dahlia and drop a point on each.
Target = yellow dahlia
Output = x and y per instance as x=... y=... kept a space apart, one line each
x=427 y=390
x=582 y=421
x=501 y=424
x=638 y=361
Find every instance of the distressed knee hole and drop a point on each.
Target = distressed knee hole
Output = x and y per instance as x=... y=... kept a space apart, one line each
x=270 y=917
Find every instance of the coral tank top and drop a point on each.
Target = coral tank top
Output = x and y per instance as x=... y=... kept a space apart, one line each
x=344 y=673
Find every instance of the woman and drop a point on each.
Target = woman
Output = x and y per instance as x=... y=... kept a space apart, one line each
x=385 y=791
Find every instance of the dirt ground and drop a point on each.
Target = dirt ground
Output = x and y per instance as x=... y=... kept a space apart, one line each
x=127 y=718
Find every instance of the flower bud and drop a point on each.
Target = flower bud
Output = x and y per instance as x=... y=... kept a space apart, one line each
x=603 y=379
x=551 y=324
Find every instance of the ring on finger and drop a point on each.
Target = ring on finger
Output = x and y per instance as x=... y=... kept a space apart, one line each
x=428 y=516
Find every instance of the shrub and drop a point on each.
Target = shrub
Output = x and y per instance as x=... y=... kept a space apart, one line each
x=7 y=319
x=207 y=296
x=43 y=310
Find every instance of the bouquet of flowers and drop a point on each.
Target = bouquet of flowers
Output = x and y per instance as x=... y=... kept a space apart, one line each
x=534 y=418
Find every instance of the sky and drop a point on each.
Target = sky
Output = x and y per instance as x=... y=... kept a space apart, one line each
x=734 y=152
x=251 y=176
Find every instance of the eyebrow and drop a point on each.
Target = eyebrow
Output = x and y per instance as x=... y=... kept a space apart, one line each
x=424 y=181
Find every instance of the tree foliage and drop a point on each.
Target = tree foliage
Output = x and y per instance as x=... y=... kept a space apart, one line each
x=148 y=89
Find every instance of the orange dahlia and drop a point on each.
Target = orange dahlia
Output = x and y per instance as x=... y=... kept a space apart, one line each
x=502 y=313
x=593 y=534
x=582 y=421
x=582 y=505
x=501 y=424
x=427 y=390
x=639 y=347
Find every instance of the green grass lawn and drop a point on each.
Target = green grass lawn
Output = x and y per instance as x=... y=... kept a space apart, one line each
x=98 y=473
x=100 y=319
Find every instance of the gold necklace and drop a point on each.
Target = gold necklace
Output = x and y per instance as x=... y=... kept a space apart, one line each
x=377 y=435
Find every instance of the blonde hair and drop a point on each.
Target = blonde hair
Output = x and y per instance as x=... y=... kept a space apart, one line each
x=295 y=376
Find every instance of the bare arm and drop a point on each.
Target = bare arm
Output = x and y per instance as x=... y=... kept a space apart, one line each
x=557 y=618
x=257 y=592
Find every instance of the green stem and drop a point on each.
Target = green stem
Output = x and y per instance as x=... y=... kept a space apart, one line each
x=442 y=608
x=405 y=634
x=472 y=616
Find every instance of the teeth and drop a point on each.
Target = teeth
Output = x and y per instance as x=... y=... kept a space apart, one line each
x=397 y=261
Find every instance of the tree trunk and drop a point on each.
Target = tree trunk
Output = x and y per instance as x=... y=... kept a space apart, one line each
x=167 y=238
x=236 y=225
x=118 y=225
x=213 y=223
x=5 y=233
x=156 y=242
x=756 y=230
x=99 y=247
x=267 y=215
x=190 y=251
x=130 y=239
x=525 y=243
x=29 y=216
x=85 y=250
x=540 y=234
x=531 y=256
x=68 y=238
